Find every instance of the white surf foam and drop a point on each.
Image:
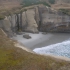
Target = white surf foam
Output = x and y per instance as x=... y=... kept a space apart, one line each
x=60 y=49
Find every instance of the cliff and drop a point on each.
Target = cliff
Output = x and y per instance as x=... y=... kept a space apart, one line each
x=54 y=20
x=37 y=18
x=24 y=21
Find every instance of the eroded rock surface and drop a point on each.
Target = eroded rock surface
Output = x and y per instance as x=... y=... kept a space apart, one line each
x=31 y=22
x=37 y=18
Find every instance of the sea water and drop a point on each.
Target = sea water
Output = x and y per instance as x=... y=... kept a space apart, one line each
x=59 y=49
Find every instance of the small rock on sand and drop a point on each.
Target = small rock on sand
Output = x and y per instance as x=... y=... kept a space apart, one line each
x=27 y=36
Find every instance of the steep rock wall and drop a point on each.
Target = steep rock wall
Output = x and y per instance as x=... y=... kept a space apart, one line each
x=38 y=18
x=32 y=25
x=52 y=19
x=24 y=21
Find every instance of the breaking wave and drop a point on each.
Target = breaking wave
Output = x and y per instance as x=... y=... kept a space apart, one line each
x=60 y=49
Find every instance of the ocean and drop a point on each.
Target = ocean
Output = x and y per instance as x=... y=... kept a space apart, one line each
x=59 y=49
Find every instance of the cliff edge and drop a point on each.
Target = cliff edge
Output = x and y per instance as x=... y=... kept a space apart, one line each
x=13 y=58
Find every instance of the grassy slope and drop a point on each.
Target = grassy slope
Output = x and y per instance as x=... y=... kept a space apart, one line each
x=12 y=58
x=8 y=7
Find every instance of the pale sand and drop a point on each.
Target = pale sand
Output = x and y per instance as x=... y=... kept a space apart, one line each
x=36 y=39
x=41 y=40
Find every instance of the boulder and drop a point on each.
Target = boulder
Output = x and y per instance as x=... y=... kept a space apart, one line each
x=26 y=36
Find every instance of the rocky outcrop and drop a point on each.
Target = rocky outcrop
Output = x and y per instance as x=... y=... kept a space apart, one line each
x=7 y=27
x=31 y=25
x=24 y=21
x=38 y=18
x=53 y=19
x=26 y=36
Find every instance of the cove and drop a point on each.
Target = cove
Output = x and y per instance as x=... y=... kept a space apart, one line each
x=50 y=43
x=59 y=49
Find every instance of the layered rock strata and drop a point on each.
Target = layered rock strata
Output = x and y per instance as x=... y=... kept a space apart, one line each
x=38 y=18
x=54 y=20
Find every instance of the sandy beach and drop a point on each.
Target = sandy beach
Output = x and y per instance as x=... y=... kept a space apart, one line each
x=42 y=40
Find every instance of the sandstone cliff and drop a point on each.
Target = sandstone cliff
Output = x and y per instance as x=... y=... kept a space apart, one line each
x=38 y=18
x=52 y=20
x=24 y=21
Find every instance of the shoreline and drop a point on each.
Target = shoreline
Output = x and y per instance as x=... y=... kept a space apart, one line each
x=19 y=45
x=58 y=57
x=40 y=40
x=56 y=38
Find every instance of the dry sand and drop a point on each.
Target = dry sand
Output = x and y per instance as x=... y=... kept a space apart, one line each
x=41 y=40
x=36 y=39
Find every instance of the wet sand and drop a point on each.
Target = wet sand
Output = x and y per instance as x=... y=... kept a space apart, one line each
x=56 y=38
x=41 y=40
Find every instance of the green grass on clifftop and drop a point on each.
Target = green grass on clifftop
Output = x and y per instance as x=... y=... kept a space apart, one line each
x=12 y=58
x=65 y=11
x=27 y=3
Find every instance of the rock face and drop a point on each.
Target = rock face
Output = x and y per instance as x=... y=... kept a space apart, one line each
x=38 y=18
x=7 y=27
x=29 y=19
x=24 y=21
x=54 y=20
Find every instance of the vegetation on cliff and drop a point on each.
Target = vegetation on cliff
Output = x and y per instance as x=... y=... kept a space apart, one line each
x=7 y=12
x=2 y=17
x=26 y=3
x=12 y=58
x=65 y=11
x=52 y=1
